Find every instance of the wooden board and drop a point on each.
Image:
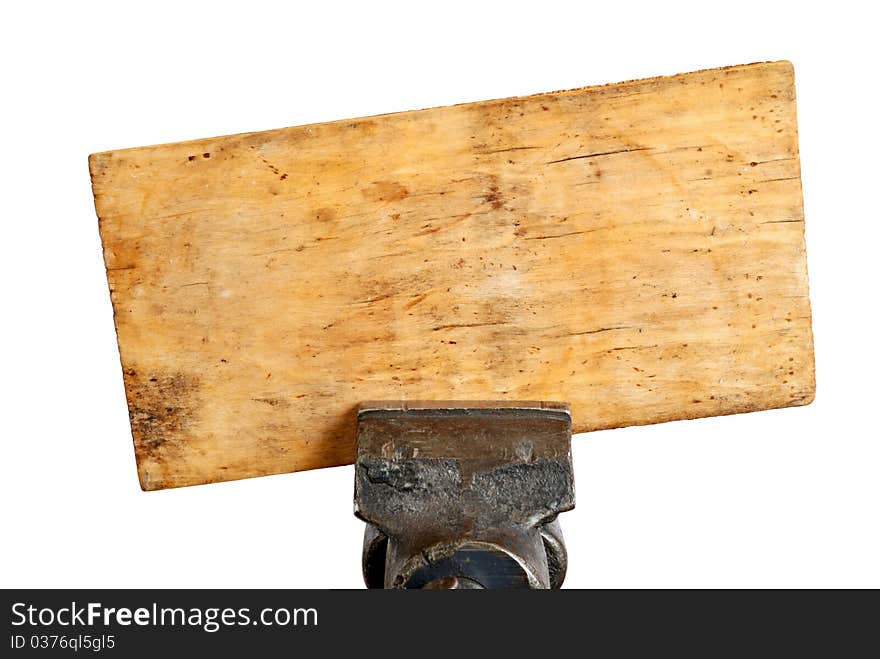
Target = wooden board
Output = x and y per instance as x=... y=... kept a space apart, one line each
x=636 y=250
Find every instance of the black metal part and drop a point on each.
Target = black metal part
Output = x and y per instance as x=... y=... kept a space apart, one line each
x=463 y=495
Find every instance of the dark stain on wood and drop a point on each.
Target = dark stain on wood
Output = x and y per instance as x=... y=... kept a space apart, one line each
x=162 y=408
x=280 y=403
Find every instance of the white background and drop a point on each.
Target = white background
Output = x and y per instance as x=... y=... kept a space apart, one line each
x=780 y=498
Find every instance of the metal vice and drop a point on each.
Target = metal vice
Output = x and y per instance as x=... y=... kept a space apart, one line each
x=463 y=495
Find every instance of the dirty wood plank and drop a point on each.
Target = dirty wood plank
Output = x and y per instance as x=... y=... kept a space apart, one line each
x=636 y=250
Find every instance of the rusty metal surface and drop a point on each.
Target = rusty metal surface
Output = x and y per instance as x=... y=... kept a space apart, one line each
x=466 y=491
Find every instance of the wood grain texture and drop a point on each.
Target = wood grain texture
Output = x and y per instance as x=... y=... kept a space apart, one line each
x=636 y=250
